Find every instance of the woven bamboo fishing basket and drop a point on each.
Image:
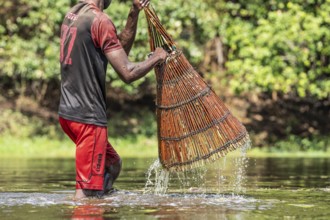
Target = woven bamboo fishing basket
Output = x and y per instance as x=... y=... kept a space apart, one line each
x=194 y=125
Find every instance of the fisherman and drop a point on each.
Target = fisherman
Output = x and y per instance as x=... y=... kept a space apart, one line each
x=89 y=41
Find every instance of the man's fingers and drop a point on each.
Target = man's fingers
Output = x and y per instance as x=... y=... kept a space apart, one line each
x=144 y=3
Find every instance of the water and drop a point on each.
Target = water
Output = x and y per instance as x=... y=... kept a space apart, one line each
x=233 y=188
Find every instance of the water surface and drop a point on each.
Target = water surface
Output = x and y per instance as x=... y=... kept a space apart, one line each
x=233 y=188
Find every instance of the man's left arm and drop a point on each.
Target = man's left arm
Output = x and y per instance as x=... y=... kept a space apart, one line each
x=127 y=36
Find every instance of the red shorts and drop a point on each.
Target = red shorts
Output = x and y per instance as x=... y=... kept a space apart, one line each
x=93 y=153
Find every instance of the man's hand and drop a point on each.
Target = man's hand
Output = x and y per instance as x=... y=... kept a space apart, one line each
x=140 y=4
x=161 y=54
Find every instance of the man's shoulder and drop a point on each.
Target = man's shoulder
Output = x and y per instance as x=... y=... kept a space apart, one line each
x=102 y=17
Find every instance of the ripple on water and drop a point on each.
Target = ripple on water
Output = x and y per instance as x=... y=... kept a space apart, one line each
x=36 y=199
x=134 y=199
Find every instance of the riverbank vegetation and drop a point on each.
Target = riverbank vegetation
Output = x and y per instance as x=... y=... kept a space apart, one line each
x=269 y=61
x=132 y=136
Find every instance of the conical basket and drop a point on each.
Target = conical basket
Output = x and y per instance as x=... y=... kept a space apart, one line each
x=194 y=125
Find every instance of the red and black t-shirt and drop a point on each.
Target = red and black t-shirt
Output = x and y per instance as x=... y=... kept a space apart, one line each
x=87 y=34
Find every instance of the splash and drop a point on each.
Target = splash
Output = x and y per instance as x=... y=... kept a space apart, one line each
x=157 y=179
x=223 y=176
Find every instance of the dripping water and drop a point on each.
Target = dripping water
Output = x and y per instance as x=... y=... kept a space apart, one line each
x=230 y=176
x=241 y=164
x=193 y=181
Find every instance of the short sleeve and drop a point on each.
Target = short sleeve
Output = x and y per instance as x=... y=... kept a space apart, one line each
x=104 y=35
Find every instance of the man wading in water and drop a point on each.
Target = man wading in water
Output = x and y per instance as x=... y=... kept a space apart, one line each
x=89 y=41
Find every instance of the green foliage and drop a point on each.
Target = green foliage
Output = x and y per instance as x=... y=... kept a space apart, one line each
x=276 y=45
x=299 y=144
x=279 y=46
x=15 y=124
x=29 y=39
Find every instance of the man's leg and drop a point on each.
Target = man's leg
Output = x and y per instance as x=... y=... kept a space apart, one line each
x=112 y=168
x=91 y=142
x=90 y=160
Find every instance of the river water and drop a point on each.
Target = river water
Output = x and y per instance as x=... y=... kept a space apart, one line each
x=232 y=188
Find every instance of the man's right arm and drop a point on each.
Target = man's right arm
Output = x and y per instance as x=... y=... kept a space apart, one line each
x=127 y=36
x=129 y=71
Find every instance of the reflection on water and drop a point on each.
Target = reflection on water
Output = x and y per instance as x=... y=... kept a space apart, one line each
x=88 y=212
x=272 y=188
